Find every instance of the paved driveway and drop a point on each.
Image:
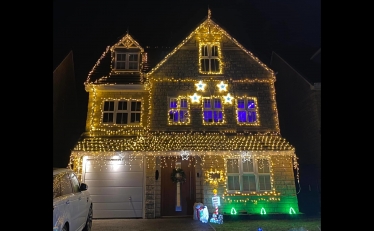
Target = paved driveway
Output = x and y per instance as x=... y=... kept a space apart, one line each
x=169 y=224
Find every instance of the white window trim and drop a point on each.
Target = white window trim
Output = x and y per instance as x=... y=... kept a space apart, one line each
x=127 y=62
x=213 y=109
x=255 y=173
x=178 y=109
x=247 y=110
x=116 y=110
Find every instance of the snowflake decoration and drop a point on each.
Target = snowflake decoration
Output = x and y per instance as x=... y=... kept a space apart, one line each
x=246 y=156
x=185 y=155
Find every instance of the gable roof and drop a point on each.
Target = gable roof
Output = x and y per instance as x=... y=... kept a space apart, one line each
x=101 y=71
x=208 y=23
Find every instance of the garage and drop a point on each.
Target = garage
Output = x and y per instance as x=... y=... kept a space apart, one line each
x=116 y=186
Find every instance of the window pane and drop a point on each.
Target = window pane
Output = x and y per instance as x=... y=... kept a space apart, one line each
x=240 y=103
x=241 y=116
x=122 y=105
x=133 y=65
x=251 y=116
x=208 y=116
x=204 y=50
x=121 y=57
x=249 y=183
x=233 y=183
x=217 y=103
x=207 y=103
x=251 y=104
x=121 y=65
x=248 y=166
x=107 y=117
x=173 y=103
x=65 y=185
x=121 y=118
x=218 y=116
x=205 y=64
x=135 y=118
x=135 y=106
x=263 y=166
x=214 y=65
x=74 y=182
x=133 y=57
x=232 y=166
x=184 y=103
x=214 y=50
x=109 y=106
x=264 y=182
x=183 y=116
x=57 y=185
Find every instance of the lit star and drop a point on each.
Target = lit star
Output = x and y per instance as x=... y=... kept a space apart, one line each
x=195 y=97
x=222 y=86
x=200 y=86
x=228 y=98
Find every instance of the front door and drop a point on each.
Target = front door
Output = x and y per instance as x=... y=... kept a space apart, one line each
x=170 y=205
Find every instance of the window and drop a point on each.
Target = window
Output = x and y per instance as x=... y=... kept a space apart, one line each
x=61 y=185
x=246 y=111
x=121 y=112
x=126 y=61
x=212 y=110
x=248 y=176
x=209 y=59
x=178 y=110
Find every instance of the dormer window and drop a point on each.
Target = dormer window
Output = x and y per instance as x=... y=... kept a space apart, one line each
x=210 y=62
x=126 y=61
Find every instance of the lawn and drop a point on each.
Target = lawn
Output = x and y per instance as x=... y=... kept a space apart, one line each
x=300 y=224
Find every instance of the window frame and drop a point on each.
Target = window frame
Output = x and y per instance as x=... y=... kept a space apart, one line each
x=256 y=173
x=246 y=110
x=129 y=112
x=210 y=57
x=127 y=61
x=178 y=108
x=212 y=108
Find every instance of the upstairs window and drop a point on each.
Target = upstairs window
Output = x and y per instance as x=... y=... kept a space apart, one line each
x=246 y=111
x=248 y=175
x=126 y=61
x=178 y=110
x=210 y=62
x=212 y=110
x=121 y=112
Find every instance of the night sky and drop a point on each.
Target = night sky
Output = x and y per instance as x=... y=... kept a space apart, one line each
x=87 y=27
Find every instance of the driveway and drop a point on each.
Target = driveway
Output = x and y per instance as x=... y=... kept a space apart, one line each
x=169 y=224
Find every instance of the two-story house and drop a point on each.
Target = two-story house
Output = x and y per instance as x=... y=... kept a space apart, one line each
x=201 y=126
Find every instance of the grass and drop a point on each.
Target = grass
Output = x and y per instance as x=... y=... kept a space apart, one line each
x=309 y=223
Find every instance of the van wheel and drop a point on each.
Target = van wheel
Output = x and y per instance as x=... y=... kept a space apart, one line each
x=88 y=225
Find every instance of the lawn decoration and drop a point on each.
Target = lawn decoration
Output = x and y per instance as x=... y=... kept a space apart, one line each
x=205 y=217
x=216 y=218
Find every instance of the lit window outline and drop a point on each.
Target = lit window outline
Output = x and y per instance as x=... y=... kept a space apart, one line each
x=180 y=102
x=210 y=57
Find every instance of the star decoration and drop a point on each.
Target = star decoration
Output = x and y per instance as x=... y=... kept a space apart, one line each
x=228 y=98
x=222 y=86
x=195 y=97
x=200 y=86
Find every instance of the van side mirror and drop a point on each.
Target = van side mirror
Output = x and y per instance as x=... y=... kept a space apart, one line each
x=83 y=187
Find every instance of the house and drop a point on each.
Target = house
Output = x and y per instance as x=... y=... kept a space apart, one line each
x=64 y=111
x=298 y=90
x=200 y=126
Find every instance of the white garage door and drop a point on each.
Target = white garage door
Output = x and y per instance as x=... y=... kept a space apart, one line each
x=116 y=187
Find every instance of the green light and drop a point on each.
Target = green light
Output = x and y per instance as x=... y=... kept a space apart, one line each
x=263 y=211
x=233 y=211
x=292 y=211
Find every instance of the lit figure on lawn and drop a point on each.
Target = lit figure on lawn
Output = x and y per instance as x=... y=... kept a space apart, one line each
x=216 y=218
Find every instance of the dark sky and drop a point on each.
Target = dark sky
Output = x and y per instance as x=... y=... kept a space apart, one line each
x=87 y=27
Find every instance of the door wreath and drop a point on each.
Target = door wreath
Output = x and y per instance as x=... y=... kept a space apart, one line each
x=178 y=175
